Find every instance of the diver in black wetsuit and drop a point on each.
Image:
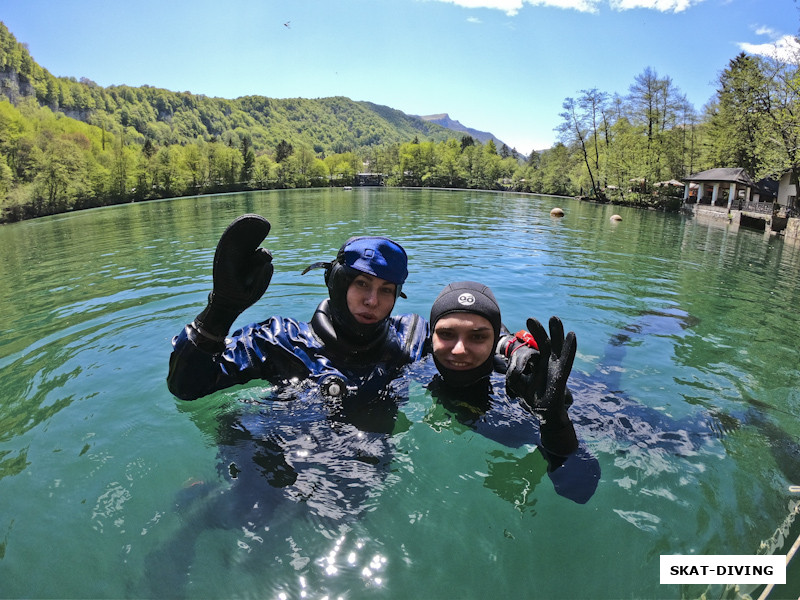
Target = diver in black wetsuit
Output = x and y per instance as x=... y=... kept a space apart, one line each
x=469 y=343
x=320 y=444
x=350 y=345
x=338 y=390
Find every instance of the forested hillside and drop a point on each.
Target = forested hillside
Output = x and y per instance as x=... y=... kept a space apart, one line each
x=326 y=125
x=67 y=144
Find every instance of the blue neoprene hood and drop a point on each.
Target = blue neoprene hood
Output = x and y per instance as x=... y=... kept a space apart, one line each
x=378 y=256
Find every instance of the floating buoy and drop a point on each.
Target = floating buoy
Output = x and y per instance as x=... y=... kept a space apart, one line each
x=556 y=212
x=616 y=218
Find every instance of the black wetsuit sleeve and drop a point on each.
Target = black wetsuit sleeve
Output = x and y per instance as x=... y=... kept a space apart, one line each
x=193 y=372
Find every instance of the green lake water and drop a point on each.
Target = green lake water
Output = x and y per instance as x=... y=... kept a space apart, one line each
x=686 y=389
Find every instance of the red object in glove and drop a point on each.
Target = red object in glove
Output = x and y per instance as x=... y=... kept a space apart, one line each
x=521 y=338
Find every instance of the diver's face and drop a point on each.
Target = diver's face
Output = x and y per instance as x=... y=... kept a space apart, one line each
x=463 y=341
x=370 y=299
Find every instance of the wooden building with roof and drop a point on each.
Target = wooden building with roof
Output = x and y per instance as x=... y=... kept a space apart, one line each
x=731 y=188
x=732 y=194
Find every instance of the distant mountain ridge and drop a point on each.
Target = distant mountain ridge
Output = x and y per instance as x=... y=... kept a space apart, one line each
x=444 y=120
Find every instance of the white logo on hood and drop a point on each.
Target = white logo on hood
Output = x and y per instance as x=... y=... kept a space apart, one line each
x=466 y=299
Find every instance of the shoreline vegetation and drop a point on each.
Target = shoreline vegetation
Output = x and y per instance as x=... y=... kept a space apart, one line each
x=68 y=144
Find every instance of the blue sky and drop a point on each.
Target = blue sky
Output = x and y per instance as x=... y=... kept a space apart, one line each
x=503 y=66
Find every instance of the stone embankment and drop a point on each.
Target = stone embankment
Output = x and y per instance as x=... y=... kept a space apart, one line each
x=787 y=227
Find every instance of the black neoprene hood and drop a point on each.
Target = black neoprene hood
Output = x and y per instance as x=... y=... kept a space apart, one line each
x=469 y=297
x=466 y=297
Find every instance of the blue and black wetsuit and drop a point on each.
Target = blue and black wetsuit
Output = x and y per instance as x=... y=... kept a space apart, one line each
x=282 y=349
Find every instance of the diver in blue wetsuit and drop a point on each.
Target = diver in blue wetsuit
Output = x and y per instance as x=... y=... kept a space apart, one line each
x=471 y=350
x=351 y=344
x=319 y=445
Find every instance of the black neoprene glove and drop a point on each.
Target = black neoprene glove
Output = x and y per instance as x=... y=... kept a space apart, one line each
x=525 y=377
x=539 y=378
x=242 y=272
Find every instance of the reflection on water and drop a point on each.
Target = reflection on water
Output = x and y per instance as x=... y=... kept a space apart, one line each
x=686 y=387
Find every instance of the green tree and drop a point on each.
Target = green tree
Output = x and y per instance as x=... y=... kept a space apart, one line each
x=195 y=164
x=574 y=130
x=342 y=168
x=307 y=169
x=6 y=177
x=166 y=172
x=492 y=168
x=654 y=104
x=283 y=151
x=13 y=127
x=248 y=157
x=737 y=118
x=61 y=177
x=472 y=164
x=593 y=107
x=447 y=167
x=555 y=166
x=623 y=154
x=121 y=171
x=781 y=107
x=231 y=164
x=417 y=163
x=264 y=171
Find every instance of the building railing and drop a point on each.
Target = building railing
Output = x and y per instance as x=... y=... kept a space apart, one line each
x=764 y=208
x=714 y=208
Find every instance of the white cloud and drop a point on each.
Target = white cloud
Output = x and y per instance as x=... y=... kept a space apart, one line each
x=579 y=5
x=768 y=32
x=473 y=20
x=785 y=48
x=512 y=7
x=660 y=5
